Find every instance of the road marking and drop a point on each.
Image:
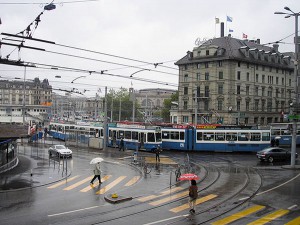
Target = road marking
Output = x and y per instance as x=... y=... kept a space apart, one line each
x=170 y=198
x=164 y=220
x=147 y=198
x=77 y=210
x=132 y=181
x=278 y=185
x=291 y=207
x=63 y=182
x=111 y=185
x=294 y=221
x=198 y=201
x=78 y=183
x=86 y=189
x=239 y=215
x=270 y=217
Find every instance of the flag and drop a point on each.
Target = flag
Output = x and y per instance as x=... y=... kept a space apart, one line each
x=230 y=30
x=229 y=19
x=217 y=20
x=245 y=35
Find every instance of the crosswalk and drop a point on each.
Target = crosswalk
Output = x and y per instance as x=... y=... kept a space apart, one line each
x=260 y=214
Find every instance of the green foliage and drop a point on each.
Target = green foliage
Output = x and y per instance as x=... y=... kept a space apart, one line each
x=167 y=106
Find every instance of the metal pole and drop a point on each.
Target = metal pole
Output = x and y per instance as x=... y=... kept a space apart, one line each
x=120 y=109
x=23 y=110
x=133 y=109
x=105 y=121
x=196 y=107
x=294 y=136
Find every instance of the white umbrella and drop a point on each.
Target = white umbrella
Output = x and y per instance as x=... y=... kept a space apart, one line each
x=96 y=160
x=278 y=137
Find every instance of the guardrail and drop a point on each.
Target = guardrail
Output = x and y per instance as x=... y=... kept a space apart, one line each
x=8 y=166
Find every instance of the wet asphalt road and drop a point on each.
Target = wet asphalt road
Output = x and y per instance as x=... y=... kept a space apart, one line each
x=58 y=192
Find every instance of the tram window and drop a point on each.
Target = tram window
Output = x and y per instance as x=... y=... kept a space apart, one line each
x=101 y=133
x=286 y=132
x=135 y=135
x=174 y=135
x=151 y=137
x=165 y=135
x=127 y=134
x=158 y=137
x=208 y=136
x=275 y=132
x=109 y=133
x=92 y=131
x=181 y=135
x=199 y=136
x=72 y=127
x=231 y=136
x=120 y=134
x=255 y=137
x=220 y=137
x=265 y=136
x=67 y=128
x=243 y=137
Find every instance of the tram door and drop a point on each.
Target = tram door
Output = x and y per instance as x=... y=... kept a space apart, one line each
x=142 y=137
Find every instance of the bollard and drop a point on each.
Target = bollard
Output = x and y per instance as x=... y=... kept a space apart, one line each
x=31 y=172
x=135 y=157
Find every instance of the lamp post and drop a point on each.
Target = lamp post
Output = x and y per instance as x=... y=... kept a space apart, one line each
x=294 y=134
x=23 y=110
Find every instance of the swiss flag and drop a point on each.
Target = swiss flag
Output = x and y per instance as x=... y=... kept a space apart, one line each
x=245 y=35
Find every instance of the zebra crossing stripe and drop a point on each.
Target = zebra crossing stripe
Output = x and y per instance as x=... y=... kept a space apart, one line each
x=170 y=198
x=86 y=189
x=270 y=217
x=78 y=183
x=63 y=182
x=198 y=201
x=294 y=221
x=111 y=185
x=239 y=215
x=150 y=197
x=132 y=181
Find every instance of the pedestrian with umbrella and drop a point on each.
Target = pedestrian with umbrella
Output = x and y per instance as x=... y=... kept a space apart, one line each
x=193 y=195
x=97 y=170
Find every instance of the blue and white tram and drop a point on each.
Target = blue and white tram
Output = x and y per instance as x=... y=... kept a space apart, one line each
x=283 y=132
x=134 y=136
x=215 y=138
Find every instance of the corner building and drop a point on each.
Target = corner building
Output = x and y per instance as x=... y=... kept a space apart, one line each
x=231 y=81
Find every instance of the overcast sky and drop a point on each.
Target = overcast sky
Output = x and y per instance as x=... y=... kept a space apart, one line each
x=148 y=31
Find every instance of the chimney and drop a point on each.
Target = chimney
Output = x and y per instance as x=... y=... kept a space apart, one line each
x=258 y=41
x=190 y=55
x=222 y=29
x=276 y=46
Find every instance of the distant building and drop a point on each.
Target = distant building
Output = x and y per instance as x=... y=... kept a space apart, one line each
x=36 y=104
x=232 y=81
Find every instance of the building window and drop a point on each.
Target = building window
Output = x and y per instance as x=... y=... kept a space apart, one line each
x=185 y=119
x=186 y=77
x=198 y=66
x=206 y=65
x=282 y=81
x=248 y=65
x=248 y=76
x=263 y=79
x=269 y=106
x=206 y=91
x=290 y=82
x=238 y=75
x=263 y=91
x=185 y=67
x=185 y=104
x=282 y=92
x=220 y=89
x=207 y=52
x=263 y=105
x=185 y=90
x=263 y=68
x=256 y=103
x=220 y=105
x=198 y=76
x=198 y=91
x=247 y=105
x=256 y=91
x=238 y=106
x=270 y=92
x=270 y=69
x=277 y=93
x=247 y=90
x=256 y=78
x=206 y=75
x=239 y=64
x=221 y=75
x=220 y=63
x=238 y=89
x=206 y=105
x=277 y=80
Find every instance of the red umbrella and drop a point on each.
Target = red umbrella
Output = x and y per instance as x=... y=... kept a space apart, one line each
x=189 y=176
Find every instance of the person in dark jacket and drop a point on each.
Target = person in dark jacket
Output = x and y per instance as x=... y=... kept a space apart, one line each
x=193 y=195
x=121 y=145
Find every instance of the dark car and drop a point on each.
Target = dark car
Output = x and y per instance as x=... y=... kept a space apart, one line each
x=274 y=153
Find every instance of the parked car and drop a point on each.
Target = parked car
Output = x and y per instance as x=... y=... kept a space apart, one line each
x=60 y=151
x=274 y=153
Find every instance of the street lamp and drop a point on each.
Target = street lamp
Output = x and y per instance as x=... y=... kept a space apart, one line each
x=294 y=135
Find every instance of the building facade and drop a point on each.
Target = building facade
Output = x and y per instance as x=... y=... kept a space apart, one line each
x=232 y=81
x=25 y=100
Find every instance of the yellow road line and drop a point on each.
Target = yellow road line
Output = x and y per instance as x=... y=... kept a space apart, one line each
x=97 y=182
x=63 y=182
x=198 y=201
x=170 y=198
x=111 y=185
x=270 y=217
x=78 y=183
x=147 y=198
x=132 y=181
x=294 y=221
x=239 y=215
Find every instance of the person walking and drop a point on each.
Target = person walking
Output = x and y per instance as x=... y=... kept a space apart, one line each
x=121 y=147
x=97 y=173
x=193 y=195
x=157 y=152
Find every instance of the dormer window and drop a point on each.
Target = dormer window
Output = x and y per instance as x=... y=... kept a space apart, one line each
x=207 y=52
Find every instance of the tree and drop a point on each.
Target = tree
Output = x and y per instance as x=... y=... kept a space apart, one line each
x=167 y=106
